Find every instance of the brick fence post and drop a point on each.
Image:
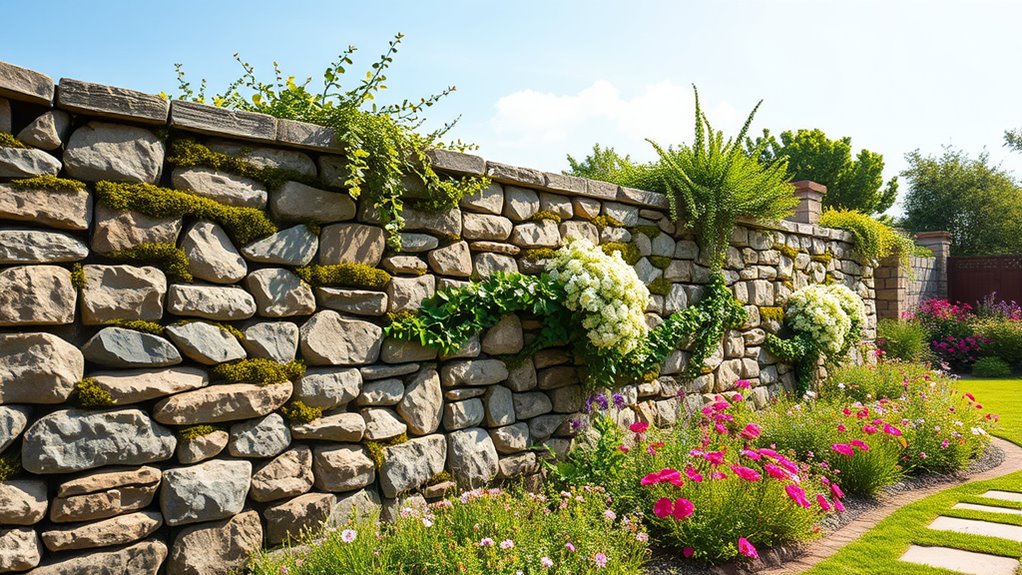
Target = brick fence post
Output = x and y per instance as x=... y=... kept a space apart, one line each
x=810 y=201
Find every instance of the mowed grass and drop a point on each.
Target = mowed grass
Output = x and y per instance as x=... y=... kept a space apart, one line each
x=877 y=552
x=999 y=396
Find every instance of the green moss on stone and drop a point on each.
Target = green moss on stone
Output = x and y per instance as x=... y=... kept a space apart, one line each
x=353 y=275
x=823 y=258
x=438 y=478
x=187 y=153
x=377 y=449
x=9 y=141
x=629 y=252
x=10 y=466
x=195 y=431
x=648 y=230
x=546 y=215
x=605 y=221
x=78 y=276
x=51 y=183
x=660 y=286
x=166 y=256
x=258 y=371
x=90 y=394
x=141 y=325
x=297 y=413
x=660 y=262
x=787 y=251
x=537 y=254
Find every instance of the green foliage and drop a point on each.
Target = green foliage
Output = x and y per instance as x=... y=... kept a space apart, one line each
x=230 y=329
x=195 y=431
x=9 y=141
x=1005 y=337
x=90 y=394
x=297 y=412
x=354 y=275
x=77 y=276
x=979 y=203
x=243 y=224
x=787 y=251
x=10 y=465
x=714 y=182
x=905 y=340
x=143 y=326
x=441 y=477
x=922 y=252
x=660 y=262
x=377 y=449
x=800 y=351
x=546 y=215
x=629 y=252
x=772 y=313
x=166 y=256
x=874 y=240
x=852 y=183
x=381 y=142
x=824 y=258
x=603 y=164
x=596 y=460
x=649 y=231
x=538 y=254
x=991 y=367
x=47 y=182
x=258 y=371
x=187 y=153
x=604 y=221
x=660 y=286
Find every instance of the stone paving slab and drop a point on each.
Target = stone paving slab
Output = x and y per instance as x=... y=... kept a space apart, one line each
x=987 y=508
x=1005 y=495
x=976 y=527
x=961 y=561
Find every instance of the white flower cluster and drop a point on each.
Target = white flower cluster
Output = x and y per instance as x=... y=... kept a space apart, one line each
x=827 y=314
x=607 y=292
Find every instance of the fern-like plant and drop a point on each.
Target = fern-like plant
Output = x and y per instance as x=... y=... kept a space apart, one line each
x=713 y=182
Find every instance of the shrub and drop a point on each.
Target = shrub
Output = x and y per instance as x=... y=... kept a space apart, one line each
x=991 y=367
x=905 y=340
x=243 y=224
x=1004 y=339
x=355 y=275
x=958 y=353
x=864 y=383
x=52 y=183
x=874 y=239
x=298 y=413
x=943 y=318
x=90 y=394
x=489 y=532
x=165 y=256
x=258 y=371
x=993 y=307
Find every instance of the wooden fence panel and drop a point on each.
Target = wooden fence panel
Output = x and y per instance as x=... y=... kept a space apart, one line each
x=972 y=278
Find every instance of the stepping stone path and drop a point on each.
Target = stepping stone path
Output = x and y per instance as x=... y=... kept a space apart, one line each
x=987 y=508
x=1005 y=495
x=977 y=527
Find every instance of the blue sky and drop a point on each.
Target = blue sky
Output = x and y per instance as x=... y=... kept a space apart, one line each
x=537 y=80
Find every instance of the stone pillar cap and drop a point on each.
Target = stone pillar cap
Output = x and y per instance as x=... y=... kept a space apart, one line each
x=933 y=235
x=809 y=186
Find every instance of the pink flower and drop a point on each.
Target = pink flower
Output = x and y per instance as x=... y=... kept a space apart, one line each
x=869 y=429
x=688 y=552
x=610 y=515
x=798 y=495
x=768 y=452
x=639 y=427
x=718 y=475
x=787 y=464
x=834 y=489
x=970 y=396
x=715 y=457
x=841 y=428
x=546 y=562
x=600 y=559
x=683 y=508
x=746 y=548
x=775 y=471
x=859 y=445
x=891 y=430
x=838 y=506
x=751 y=431
x=666 y=475
x=720 y=428
x=663 y=507
x=746 y=473
x=843 y=449
x=822 y=501
x=693 y=475
x=570 y=547
x=486 y=542
x=641 y=537
x=751 y=454
x=507 y=544
x=348 y=535
x=742 y=384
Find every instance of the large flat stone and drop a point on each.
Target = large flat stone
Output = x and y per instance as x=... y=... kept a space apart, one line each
x=960 y=561
x=216 y=548
x=276 y=340
x=341 y=427
x=410 y=465
x=105 y=493
x=287 y=475
x=331 y=339
x=23 y=84
x=292 y=160
x=220 y=403
x=977 y=527
x=280 y=293
x=26 y=163
x=218 y=303
x=101 y=151
x=264 y=437
x=223 y=187
x=109 y=102
x=38 y=368
x=117 y=230
x=76 y=440
x=206 y=119
x=55 y=209
x=119 y=530
x=135 y=386
x=1005 y=495
x=298 y=202
x=353 y=301
x=987 y=508
x=122 y=292
x=294 y=246
x=120 y=347
x=328 y=387
x=341 y=468
x=211 y=490
x=22 y=502
x=205 y=343
x=36 y=295
x=143 y=558
x=39 y=247
x=352 y=243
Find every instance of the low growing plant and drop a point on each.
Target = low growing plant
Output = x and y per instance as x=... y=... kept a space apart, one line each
x=904 y=340
x=166 y=256
x=991 y=367
x=196 y=431
x=10 y=465
x=89 y=394
x=354 y=275
x=144 y=326
x=258 y=371
x=298 y=413
x=1003 y=339
x=874 y=240
x=48 y=182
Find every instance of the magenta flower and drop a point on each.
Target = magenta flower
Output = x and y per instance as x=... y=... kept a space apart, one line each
x=688 y=552
x=836 y=490
x=639 y=427
x=869 y=429
x=742 y=384
x=715 y=457
x=768 y=452
x=843 y=449
x=798 y=495
x=746 y=473
x=666 y=475
x=751 y=454
x=570 y=547
x=775 y=471
x=859 y=445
x=663 y=507
x=838 y=506
x=486 y=542
x=822 y=502
x=841 y=428
x=683 y=509
x=746 y=548
x=693 y=475
x=751 y=431
x=891 y=430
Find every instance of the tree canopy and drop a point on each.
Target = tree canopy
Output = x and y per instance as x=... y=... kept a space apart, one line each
x=980 y=204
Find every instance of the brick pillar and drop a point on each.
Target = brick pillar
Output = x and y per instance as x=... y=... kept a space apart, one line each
x=891 y=288
x=810 y=201
x=940 y=244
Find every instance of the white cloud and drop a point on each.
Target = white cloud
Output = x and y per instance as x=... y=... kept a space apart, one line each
x=537 y=129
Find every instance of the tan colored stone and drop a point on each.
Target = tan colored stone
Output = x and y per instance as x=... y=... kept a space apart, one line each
x=118 y=530
x=120 y=230
x=303 y=514
x=225 y=188
x=103 y=494
x=218 y=548
x=288 y=475
x=56 y=209
x=143 y=558
x=220 y=403
x=331 y=339
x=342 y=468
x=343 y=427
x=100 y=151
x=22 y=502
x=138 y=385
x=352 y=243
x=122 y=292
x=211 y=254
x=20 y=550
x=36 y=295
x=203 y=447
x=38 y=368
x=454 y=260
x=486 y=227
x=298 y=202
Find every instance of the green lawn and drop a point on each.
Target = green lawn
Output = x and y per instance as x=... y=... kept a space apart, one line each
x=1000 y=396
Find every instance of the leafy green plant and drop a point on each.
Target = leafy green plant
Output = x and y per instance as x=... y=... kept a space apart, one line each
x=381 y=143
x=905 y=340
x=89 y=394
x=1005 y=339
x=356 y=275
x=297 y=412
x=166 y=256
x=48 y=182
x=991 y=367
x=243 y=224
x=258 y=371
x=874 y=240
x=187 y=153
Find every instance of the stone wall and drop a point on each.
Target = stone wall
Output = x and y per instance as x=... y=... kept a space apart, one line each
x=122 y=487
x=900 y=290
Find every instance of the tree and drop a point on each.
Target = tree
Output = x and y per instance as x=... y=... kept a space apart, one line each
x=1013 y=139
x=980 y=204
x=852 y=183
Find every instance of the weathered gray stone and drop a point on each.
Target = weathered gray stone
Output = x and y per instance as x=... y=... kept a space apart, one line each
x=218 y=548
x=280 y=293
x=520 y=204
x=122 y=292
x=400 y=351
x=220 y=403
x=298 y=202
x=522 y=377
x=462 y=414
x=205 y=343
x=542 y=234
x=328 y=388
x=511 y=438
x=294 y=517
x=211 y=490
x=122 y=229
x=352 y=243
x=38 y=368
x=218 y=303
x=410 y=465
x=341 y=468
x=331 y=339
x=205 y=119
x=531 y=404
x=505 y=337
x=135 y=386
x=48 y=131
x=264 y=437
x=473 y=372
x=445 y=223
x=422 y=403
x=353 y=301
x=554 y=377
x=486 y=227
x=118 y=530
x=101 y=151
x=382 y=423
x=20 y=83
x=454 y=260
x=580 y=230
x=211 y=254
x=120 y=347
x=106 y=493
x=276 y=340
x=499 y=406
x=14 y=418
x=409 y=265
x=294 y=246
x=306 y=135
x=267 y=157
x=288 y=475
x=26 y=163
x=408 y=293
x=346 y=427
x=144 y=558
x=556 y=204
x=567 y=399
x=20 y=550
x=384 y=392
x=489 y=200
x=203 y=447
x=22 y=502
x=518 y=465
x=417 y=243
x=109 y=102
x=471 y=457
x=18 y=246
x=75 y=440
x=485 y=264
x=36 y=295
x=223 y=187
x=456 y=162
x=64 y=210
x=5 y=115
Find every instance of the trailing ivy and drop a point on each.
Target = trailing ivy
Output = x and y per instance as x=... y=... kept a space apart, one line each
x=166 y=256
x=258 y=371
x=51 y=183
x=353 y=275
x=187 y=153
x=243 y=224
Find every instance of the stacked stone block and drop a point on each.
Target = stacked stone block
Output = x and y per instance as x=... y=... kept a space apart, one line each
x=120 y=488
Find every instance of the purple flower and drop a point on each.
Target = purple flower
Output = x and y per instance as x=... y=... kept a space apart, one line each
x=619 y=401
x=577 y=424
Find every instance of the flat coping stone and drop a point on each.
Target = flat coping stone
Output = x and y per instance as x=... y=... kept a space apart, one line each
x=19 y=83
x=968 y=562
x=977 y=527
x=1003 y=495
x=214 y=121
x=111 y=102
x=987 y=508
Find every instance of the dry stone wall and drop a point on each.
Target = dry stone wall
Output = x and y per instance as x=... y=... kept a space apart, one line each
x=121 y=489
